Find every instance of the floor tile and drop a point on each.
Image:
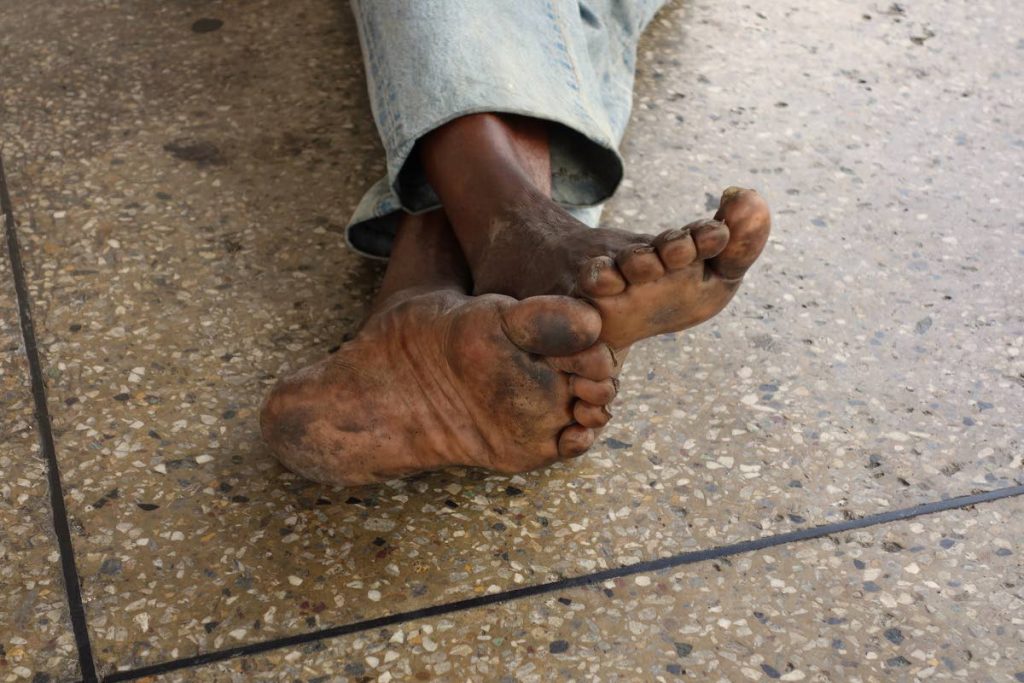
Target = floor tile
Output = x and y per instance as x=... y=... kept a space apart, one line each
x=934 y=597
x=184 y=192
x=875 y=353
x=35 y=635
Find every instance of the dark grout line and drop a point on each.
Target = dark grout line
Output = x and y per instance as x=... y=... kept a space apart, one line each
x=573 y=582
x=61 y=527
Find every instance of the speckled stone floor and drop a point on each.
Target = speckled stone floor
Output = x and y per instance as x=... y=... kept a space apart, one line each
x=177 y=177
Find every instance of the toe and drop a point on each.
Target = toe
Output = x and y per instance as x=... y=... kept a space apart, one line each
x=639 y=263
x=749 y=220
x=589 y=415
x=676 y=248
x=599 y=277
x=600 y=393
x=596 y=363
x=709 y=237
x=551 y=325
x=575 y=440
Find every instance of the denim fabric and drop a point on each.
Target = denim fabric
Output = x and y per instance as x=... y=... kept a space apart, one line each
x=431 y=61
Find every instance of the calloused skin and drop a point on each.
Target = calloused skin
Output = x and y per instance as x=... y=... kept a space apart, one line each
x=502 y=321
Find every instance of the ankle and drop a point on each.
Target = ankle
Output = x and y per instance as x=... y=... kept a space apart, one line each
x=473 y=163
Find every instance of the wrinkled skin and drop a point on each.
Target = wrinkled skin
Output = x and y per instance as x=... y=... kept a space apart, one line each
x=444 y=378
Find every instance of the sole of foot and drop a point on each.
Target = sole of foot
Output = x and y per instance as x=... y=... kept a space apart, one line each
x=677 y=279
x=443 y=379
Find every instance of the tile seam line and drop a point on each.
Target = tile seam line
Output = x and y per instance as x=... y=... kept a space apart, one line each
x=681 y=559
x=61 y=527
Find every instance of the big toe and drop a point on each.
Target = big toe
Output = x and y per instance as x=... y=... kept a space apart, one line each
x=552 y=325
x=749 y=220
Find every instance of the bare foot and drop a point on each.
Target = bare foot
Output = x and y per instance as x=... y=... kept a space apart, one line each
x=442 y=378
x=678 y=279
x=493 y=176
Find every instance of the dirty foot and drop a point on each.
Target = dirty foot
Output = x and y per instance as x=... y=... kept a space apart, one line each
x=441 y=379
x=679 y=278
x=643 y=285
x=494 y=175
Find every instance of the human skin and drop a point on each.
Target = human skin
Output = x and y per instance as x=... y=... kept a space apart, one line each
x=493 y=175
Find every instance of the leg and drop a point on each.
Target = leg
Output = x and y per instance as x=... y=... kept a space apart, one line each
x=428 y=63
x=493 y=176
x=436 y=377
x=426 y=258
x=558 y=76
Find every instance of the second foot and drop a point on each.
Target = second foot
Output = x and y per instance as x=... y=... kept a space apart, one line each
x=680 y=278
x=442 y=378
x=643 y=285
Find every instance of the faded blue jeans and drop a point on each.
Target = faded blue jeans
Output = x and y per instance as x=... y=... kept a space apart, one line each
x=427 y=62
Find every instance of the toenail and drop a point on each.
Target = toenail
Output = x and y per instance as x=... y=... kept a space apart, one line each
x=730 y=192
x=644 y=250
x=615 y=384
x=675 y=234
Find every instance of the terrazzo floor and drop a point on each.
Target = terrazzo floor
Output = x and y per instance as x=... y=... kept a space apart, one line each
x=820 y=484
